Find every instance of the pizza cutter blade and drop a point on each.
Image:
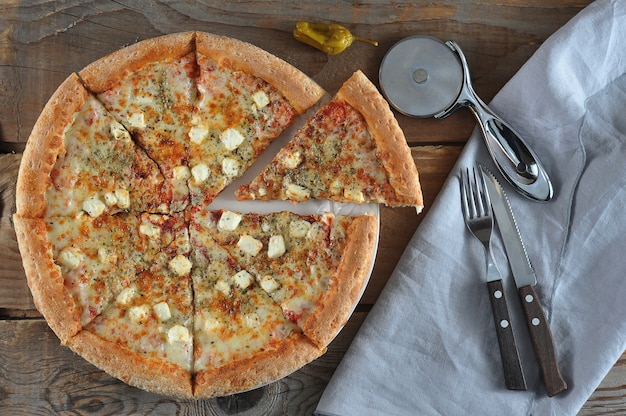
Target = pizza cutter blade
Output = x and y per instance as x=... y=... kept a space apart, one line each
x=422 y=76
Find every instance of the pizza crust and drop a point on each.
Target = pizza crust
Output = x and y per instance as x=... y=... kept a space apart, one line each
x=260 y=369
x=300 y=90
x=44 y=278
x=152 y=375
x=334 y=309
x=360 y=93
x=44 y=146
x=106 y=72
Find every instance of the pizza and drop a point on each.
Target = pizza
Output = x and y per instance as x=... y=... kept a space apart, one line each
x=351 y=150
x=127 y=255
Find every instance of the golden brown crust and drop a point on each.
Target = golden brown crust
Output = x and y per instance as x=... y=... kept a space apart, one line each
x=44 y=278
x=152 y=375
x=360 y=93
x=334 y=309
x=301 y=91
x=106 y=72
x=44 y=145
x=260 y=369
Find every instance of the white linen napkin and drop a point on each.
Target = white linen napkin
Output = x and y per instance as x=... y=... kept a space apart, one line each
x=428 y=347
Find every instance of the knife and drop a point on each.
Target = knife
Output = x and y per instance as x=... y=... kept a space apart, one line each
x=525 y=279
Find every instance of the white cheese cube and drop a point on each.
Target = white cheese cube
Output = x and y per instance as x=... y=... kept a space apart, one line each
x=209 y=323
x=200 y=172
x=335 y=187
x=110 y=199
x=249 y=245
x=197 y=134
x=181 y=173
x=223 y=287
x=71 y=257
x=354 y=195
x=269 y=284
x=118 y=131
x=262 y=191
x=243 y=279
x=178 y=334
x=230 y=166
x=229 y=221
x=276 y=246
x=299 y=228
x=138 y=314
x=297 y=192
x=292 y=160
x=261 y=99
x=180 y=265
x=252 y=320
x=150 y=230
x=123 y=198
x=231 y=138
x=162 y=311
x=126 y=295
x=93 y=206
x=137 y=121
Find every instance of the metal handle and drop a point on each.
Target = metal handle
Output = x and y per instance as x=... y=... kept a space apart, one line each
x=543 y=342
x=511 y=364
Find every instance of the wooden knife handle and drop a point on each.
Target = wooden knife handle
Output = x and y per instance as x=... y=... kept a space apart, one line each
x=543 y=342
x=513 y=374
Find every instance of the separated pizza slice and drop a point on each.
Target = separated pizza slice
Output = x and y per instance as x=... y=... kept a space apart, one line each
x=241 y=338
x=351 y=150
x=144 y=337
x=150 y=88
x=314 y=266
x=247 y=97
x=79 y=159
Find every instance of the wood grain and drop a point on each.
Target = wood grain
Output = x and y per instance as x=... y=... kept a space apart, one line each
x=43 y=41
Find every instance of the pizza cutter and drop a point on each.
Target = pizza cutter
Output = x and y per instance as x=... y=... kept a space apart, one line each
x=422 y=76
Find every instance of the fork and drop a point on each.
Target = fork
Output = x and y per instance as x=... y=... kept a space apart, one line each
x=478 y=217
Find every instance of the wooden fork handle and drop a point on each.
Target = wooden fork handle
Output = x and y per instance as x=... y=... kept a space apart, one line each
x=542 y=340
x=513 y=373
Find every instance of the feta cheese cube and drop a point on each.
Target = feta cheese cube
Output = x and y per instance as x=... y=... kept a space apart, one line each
x=110 y=199
x=138 y=314
x=93 y=206
x=243 y=279
x=269 y=284
x=231 y=138
x=229 y=221
x=354 y=195
x=292 y=160
x=71 y=257
x=200 y=172
x=162 y=311
x=123 y=198
x=230 y=166
x=197 y=134
x=261 y=99
x=252 y=320
x=249 y=245
x=223 y=287
x=118 y=131
x=181 y=173
x=299 y=228
x=276 y=246
x=126 y=295
x=150 y=230
x=178 y=334
x=297 y=192
x=137 y=121
x=180 y=265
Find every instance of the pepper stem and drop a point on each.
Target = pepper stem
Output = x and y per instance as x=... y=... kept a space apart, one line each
x=371 y=42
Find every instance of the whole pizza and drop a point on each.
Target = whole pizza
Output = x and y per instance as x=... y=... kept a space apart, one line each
x=131 y=262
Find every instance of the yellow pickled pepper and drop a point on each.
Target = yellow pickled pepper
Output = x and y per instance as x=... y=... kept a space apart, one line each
x=329 y=38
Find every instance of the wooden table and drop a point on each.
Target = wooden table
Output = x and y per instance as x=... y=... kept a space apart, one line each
x=42 y=42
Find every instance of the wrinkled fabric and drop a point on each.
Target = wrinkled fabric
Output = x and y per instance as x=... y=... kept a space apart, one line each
x=428 y=347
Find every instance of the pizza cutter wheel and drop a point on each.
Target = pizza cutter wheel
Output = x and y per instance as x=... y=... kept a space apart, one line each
x=422 y=76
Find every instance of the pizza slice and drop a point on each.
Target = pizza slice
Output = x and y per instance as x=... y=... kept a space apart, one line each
x=144 y=337
x=247 y=97
x=241 y=338
x=314 y=266
x=81 y=160
x=351 y=150
x=150 y=88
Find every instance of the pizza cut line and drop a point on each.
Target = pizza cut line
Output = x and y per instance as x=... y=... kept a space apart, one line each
x=131 y=266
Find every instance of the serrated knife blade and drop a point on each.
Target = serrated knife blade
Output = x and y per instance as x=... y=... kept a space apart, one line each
x=525 y=279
